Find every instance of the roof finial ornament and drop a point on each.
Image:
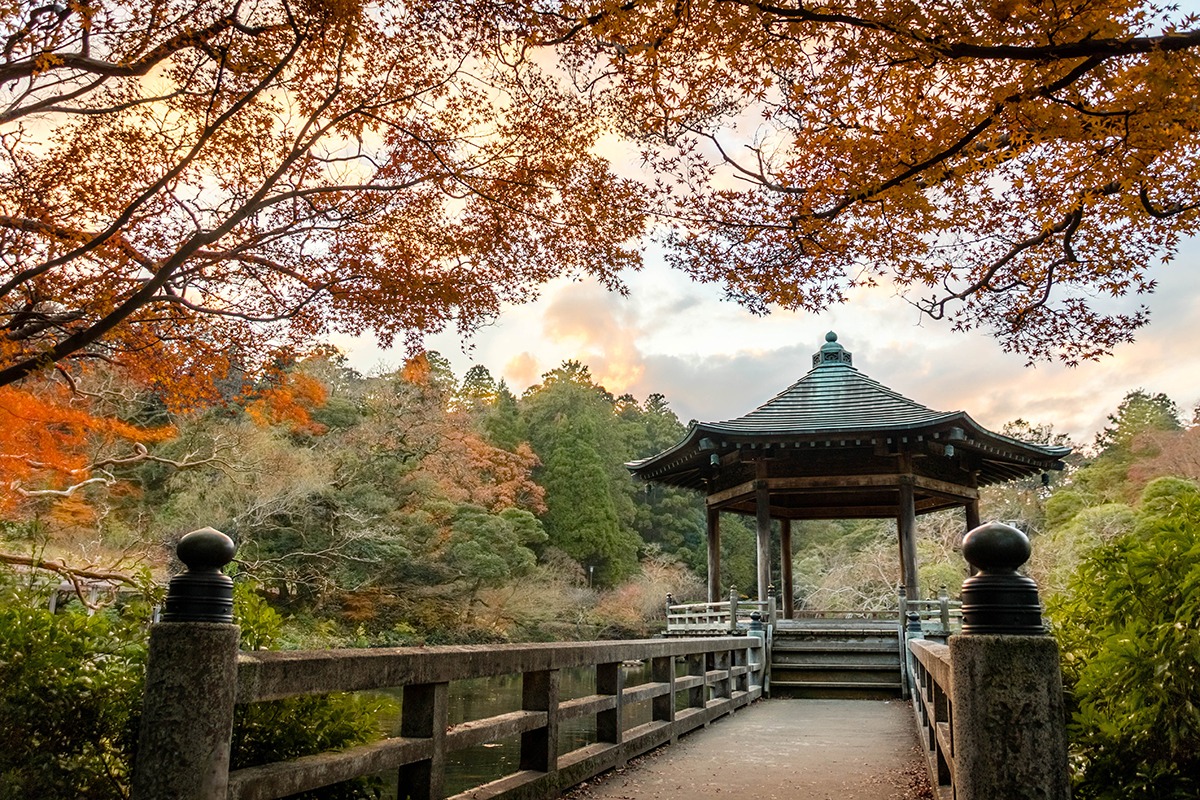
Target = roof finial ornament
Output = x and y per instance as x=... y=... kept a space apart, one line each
x=831 y=353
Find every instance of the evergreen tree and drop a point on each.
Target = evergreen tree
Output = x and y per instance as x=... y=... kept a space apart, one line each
x=581 y=518
x=502 y=422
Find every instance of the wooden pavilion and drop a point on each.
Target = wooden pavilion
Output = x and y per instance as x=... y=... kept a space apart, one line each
x=838 y=445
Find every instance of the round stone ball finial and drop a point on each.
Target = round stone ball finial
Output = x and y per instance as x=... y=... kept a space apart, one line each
x=202 y=593
x=996 y=547
x=205 y=550
x=999 y=600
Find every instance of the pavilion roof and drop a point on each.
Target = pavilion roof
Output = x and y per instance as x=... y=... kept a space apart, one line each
x=834 y=402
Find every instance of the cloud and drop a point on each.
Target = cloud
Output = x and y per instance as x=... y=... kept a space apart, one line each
x=714 y=361
x=602 y=328
x=521 y=371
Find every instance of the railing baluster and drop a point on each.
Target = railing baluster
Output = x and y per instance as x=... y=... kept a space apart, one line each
x=609 y=725
x=425 y=714
x=539 y=747
x=697 y=695
x=662 y=670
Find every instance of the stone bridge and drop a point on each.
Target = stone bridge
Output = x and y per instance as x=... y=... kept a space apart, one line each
x=987 y=706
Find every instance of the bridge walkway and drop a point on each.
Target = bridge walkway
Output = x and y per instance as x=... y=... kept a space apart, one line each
x=783 y=750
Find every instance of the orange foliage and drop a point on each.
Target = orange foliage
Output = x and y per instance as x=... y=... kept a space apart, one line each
x=50 y=439
x=468 y=469
x=291 y=169
x=290 y=404
x=1002 y=163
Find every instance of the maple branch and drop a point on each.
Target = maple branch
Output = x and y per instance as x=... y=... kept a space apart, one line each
x=1082 y=48
x=1165 y=212
x=48 y=61
x=164 y=270
x=289 y=313
x=142 y=454
x=107 y=480
x=102 y=327
x=77 y=576
x=960 y=144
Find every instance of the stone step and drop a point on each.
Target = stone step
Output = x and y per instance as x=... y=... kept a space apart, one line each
x=839 y=690
x=849 y=675
x=783 y=658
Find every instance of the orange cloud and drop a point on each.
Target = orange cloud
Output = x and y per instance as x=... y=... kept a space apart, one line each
x=603 y=331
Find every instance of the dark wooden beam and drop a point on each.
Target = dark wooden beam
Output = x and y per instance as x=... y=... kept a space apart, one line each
x=785 y=565
x=906 y=523
x=714 y=555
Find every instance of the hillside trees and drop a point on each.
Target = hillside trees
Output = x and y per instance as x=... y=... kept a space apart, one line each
x=189 y=187
x=1002 y=164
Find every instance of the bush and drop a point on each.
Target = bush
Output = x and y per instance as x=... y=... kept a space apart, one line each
x=71 y=696
x=1130 y=632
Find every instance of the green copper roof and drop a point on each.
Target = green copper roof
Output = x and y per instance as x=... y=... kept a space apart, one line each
x=832 y=397
x=836 y=402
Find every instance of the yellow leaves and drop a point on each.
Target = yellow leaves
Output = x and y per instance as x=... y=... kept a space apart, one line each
x=43 y=62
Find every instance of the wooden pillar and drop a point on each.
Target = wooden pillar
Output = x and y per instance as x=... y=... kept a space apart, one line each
x=971 y=511
x=714 y=555
x=906 y=524
x=762 y=505
x=785 y=562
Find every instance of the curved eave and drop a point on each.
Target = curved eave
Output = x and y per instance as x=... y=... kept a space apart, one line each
x=1002 y=458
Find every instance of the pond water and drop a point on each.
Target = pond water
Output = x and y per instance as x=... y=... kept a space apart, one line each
x=479 y=698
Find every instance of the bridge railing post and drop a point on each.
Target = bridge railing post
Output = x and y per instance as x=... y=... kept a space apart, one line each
x=609 y=726
x=733 y=609
x=697 y=664
x=662 y=670
x=1008 y=725
x=191 y=680
x=539 y=747
x=425 y=714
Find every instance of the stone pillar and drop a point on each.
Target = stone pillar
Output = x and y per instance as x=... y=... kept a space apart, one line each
x=191 y=680
x=714 y=555
x=1008 y=716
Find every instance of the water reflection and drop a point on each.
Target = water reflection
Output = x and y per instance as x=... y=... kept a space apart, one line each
x=479 y=698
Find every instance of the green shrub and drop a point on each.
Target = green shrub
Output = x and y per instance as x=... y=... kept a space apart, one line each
x=1129 y=627
x=70 y=694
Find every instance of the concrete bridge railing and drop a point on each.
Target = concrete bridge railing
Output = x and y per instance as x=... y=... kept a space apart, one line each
x=989 y=704
x=196 y=676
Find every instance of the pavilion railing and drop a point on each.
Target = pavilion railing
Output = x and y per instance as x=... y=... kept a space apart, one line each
x=940 y=617
x=729 y=616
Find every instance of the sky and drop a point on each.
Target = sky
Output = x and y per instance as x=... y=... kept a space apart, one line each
x=713 y=360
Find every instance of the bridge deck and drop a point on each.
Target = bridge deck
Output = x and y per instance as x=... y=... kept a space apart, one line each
x=818 y=749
